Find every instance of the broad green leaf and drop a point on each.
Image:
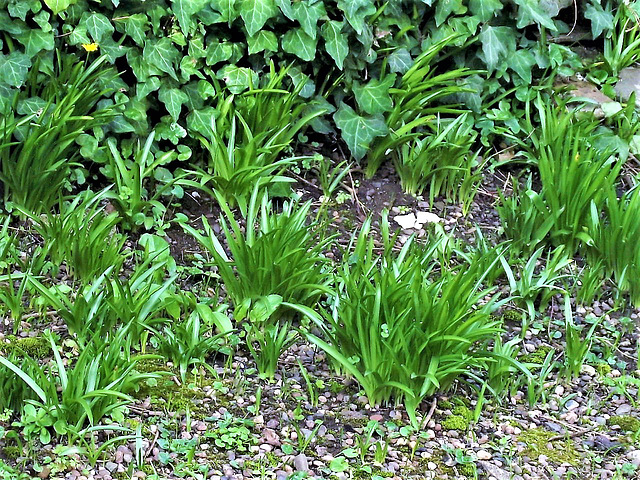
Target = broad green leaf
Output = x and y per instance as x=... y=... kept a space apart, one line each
x=58 y=6
x=601 y=19
x=35 y=40
x=98 y=26
x=373 y=97
x=6 y=96
x=485 y=10
x=356 y=12
x=11 y=26
x=43 y=20
x=400 y=61
x=202 y=121
x=227 y=9
x=335 y=42
x=218 y=52
x=285 y=8
x=255 y=14
x=261 y=41
x=14 y=68
x=20 y=8
x=307 y=13
x=297 y=42
x=309 y=88
x=136 y=27
x=173 y=100
x=530 y=11
x=161 y=54
x=185 y=10
x=444 y=8
x=238 y=79
x=79 y=35
x=521 y=62
x=497 y=42
x=357 y=131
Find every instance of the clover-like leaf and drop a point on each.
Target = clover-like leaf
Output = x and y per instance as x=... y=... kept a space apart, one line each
x=358 y=131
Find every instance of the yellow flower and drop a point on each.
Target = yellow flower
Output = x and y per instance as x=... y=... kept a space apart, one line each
x=90 y=47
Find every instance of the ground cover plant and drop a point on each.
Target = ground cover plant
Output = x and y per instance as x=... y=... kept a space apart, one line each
x=281 y=239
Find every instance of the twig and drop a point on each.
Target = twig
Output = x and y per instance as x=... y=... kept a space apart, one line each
x=573 y=434
x=434 y=404
x=152 y=444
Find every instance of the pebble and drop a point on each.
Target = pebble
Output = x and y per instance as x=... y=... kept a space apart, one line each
x=634 y=457
x=300 y=463
x=483 y=455
x=623 y=409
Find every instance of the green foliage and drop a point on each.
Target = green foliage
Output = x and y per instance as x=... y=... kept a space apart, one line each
x=622 y=41
x=191 y=341
x=40 y=124
x=441 y=162
x=267 y=343
x=277 y=254
x=81 y=236
x=615 y=248
x=173 y=51
x=141 y=182
x=576 y=347
x=400 y=333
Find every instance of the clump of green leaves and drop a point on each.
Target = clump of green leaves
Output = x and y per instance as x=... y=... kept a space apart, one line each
x=38 y=150
x=82 y=236
x=277 y=253
x=404 y=329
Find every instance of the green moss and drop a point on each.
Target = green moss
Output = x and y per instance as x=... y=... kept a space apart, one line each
x=603 y=368
x=34 y=347
x=511 y=315
x=536 y=442
x=626 y=422
x=537 y=357
x=12 y=452
x=460 y=418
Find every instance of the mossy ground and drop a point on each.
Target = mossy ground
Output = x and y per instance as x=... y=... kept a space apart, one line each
x=537 y=441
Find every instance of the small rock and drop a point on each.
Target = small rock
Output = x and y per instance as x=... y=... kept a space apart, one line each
x=623 y=409
x=483 y=455
x=571 y=405
x=300 y=463
x=427 y=217
x=406 y=221
x=376 y=417
x=634 y=457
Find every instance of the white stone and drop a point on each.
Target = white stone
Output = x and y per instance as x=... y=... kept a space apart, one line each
x=634 y=457
x=483 y=455
x=427 y=217
x=406 y=221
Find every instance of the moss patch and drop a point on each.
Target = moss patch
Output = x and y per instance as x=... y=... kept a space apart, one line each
x=537 y=357
x=460 y=418
x=34 y=347
x=626 y=422
x=537 y=440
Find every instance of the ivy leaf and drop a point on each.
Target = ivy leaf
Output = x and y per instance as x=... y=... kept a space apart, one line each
x=136 y=26
x=145 y=88
x=173 y=100
x=521 y=62
x=227 y=9
x=14 y=68
x=529 y=12
x=43 y=20
x=600 y=19
x=263 y=40
x=201 y=121
x=444 y=8
x=35 y=40
x=9 y=25
x=357 y=131
x=307 y=14
x=285 y=8
x=297 y=42
x=485 y=10
x=400 y=61
x=20 y=8
x=97 y=25
x=184 y=10
x=255 y=14
x=238 y=79
x=335 y=42
x=496 y=43
x=356 y=12
x=57 y=6
x=218 y=52
x=373 y=97
x=161 y=54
